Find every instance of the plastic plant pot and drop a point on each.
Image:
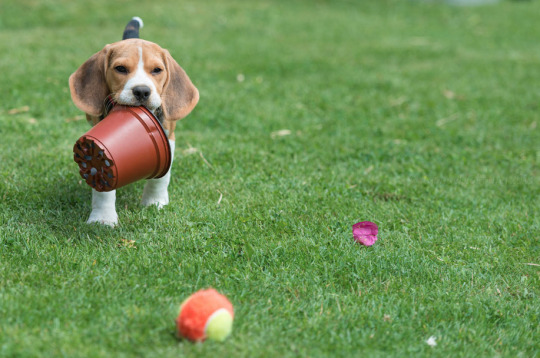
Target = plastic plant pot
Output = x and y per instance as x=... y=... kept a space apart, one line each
x=128 y=145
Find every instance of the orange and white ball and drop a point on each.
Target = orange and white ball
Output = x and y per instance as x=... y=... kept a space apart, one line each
x=205 y=314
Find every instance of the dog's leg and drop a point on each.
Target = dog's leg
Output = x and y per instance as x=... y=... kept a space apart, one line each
x=155 y=190
x=103 y=208
x=103 y=203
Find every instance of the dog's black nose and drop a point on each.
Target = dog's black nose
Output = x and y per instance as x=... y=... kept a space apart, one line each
x=141 y=93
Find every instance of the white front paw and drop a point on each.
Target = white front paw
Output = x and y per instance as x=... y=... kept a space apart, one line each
x=103 y=209
x=155 y=198
x=156 y=190
x=105 y=217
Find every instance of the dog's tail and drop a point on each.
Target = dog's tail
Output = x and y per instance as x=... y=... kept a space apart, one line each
x=132 y=28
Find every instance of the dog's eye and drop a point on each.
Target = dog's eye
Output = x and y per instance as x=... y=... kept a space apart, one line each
x=156 y=71
x=121 y=69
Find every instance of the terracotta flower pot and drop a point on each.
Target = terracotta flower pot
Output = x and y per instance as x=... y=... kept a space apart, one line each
x=127 y=145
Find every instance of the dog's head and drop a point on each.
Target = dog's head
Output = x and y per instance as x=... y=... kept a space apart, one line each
x=134 y=72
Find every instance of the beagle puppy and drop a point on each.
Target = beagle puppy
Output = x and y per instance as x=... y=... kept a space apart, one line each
x=133 y=72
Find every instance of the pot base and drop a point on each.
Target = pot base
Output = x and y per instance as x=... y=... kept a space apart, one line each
x=95 y=165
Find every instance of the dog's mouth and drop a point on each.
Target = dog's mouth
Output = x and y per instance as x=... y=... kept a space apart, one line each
x=113 y=100
x=134 y=98
x=132 y=102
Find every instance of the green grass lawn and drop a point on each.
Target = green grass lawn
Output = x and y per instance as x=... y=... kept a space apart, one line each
x=421 y=117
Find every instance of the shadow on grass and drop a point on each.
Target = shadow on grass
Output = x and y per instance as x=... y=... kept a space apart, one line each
x=55 y=211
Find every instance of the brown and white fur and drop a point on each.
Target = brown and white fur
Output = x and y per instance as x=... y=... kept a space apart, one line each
x=133 y=72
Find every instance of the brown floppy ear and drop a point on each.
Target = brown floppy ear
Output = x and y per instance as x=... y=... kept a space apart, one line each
x=179 y=95
x=88 y=85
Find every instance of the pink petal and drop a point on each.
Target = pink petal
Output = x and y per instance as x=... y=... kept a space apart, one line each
x=365 y=232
